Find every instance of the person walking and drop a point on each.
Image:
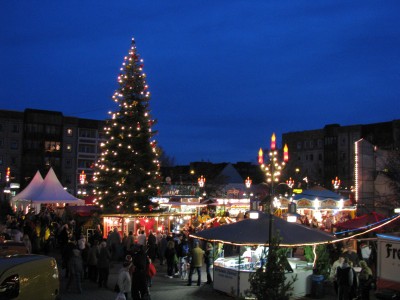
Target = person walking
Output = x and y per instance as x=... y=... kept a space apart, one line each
x=196 y=262
x=366 y=279
x=170 y=254
x=103 y=264
x=333 y=274
x=130 y=242
x=151 y=245
x=345 y=280
x=162 y=246
x=139 y=277
x=124 y=279
x=114 y=240
x=75 y=270
x=93 y=253
x=208 y=260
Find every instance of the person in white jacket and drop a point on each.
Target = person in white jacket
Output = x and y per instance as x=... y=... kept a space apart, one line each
x=124 y=279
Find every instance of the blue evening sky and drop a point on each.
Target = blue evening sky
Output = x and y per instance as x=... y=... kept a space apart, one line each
x=224 y=75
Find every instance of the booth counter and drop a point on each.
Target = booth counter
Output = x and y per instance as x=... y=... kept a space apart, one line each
x=232 y=275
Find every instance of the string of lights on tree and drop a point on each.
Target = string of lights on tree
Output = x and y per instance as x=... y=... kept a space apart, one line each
x=127 y=172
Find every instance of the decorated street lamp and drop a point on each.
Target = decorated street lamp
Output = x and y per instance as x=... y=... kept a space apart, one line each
x=82 y=177
x=201 y=181
x=82 y=181
x=248 y=183
x=336 y=183
x=272 y=170
x=290 y=182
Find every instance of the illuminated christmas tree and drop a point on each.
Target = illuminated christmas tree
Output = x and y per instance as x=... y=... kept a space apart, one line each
x=127 y=173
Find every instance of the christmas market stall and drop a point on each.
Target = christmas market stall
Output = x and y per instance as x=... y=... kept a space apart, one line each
x=47 y=192
x=154 y=221
x=243 y=248
x=322 y=208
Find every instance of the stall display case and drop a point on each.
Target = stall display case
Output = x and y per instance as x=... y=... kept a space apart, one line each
x=232 y=273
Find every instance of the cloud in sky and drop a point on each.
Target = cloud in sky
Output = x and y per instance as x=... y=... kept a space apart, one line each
x=223 y=75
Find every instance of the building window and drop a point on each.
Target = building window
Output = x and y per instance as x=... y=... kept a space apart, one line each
x=320 y=156
x=88 y=133
x=69 y=132
x=311 y=157
x=320 y=143
x=87 y=148
x=13 y=145
x=1 y=160
x=15 y=128
x=69 y=148
x=13 y=161
x=51 y=146
x=68 y=163
x=68 y=179
x=311 y=144
x=298 y=145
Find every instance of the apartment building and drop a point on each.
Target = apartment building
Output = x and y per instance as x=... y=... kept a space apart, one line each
x=38 y=139
x=322 y=155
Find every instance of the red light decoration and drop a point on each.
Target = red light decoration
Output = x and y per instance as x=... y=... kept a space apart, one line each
x=82 y=177
x=273 y=142
x=248 y=182
x=285 y=153
x=201 y=181
x=260 y=157
x=8 y=173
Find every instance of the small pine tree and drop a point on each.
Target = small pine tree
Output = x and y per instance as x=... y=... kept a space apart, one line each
x=127 y=173
x=270 y=282
x=322 y=264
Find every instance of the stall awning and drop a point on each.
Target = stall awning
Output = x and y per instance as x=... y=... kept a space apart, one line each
x=256 y=232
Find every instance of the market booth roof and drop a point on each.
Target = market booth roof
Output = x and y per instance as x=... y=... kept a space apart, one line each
x=49 y=191
x=31 y=190
x=255 y=231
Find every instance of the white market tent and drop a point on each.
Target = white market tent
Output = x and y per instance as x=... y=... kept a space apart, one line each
x=49 y=191
x=32 y=189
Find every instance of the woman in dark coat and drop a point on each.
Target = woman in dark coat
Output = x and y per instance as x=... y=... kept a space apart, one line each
x=170 y=254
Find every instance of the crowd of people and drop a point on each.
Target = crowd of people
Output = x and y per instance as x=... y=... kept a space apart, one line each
x=89 y=257
x=352 y=275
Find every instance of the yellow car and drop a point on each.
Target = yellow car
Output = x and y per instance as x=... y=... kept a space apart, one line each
x=29 y=277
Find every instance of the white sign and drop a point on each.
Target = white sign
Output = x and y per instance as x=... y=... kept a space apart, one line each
x=389 y=259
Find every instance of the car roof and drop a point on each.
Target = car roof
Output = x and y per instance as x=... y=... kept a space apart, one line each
x=10 y=261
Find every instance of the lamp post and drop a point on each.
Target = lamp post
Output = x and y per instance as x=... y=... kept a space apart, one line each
x=290 y=184
x=82 y=181
x=248 y=183
x=201 y=181
x=273 y=172
x=336 y=183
